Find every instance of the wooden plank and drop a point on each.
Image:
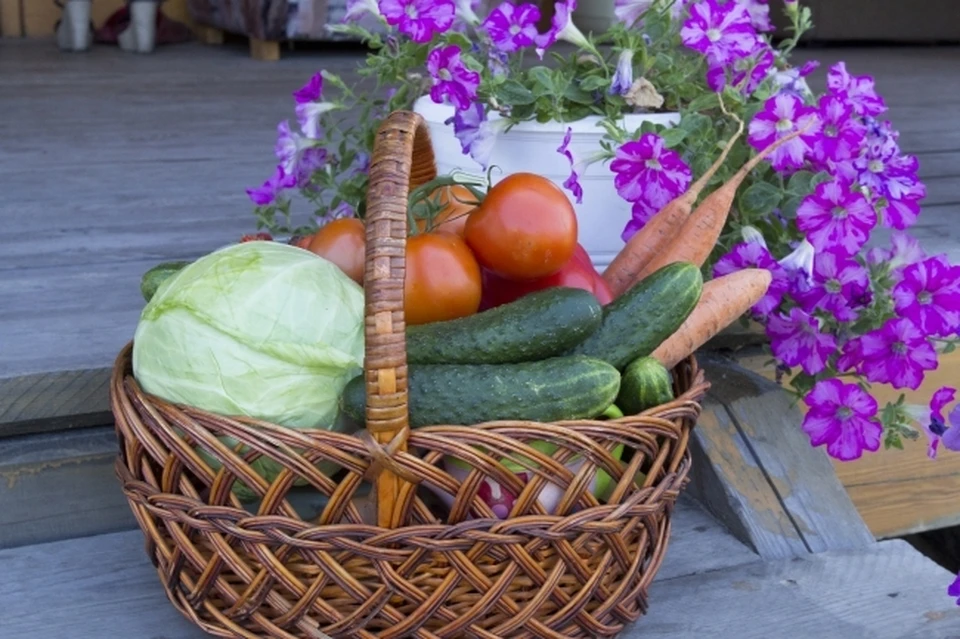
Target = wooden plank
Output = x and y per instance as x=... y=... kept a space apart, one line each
x=759 y=474
x=898 y=492
x=10 y=19
x=939 y=164
x=889 y=591
x=122 y=596
x=41 y=17
x=60 y=485
x=264 y=50
x=54 y=401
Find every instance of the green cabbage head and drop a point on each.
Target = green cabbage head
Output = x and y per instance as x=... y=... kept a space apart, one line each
x=260 y=329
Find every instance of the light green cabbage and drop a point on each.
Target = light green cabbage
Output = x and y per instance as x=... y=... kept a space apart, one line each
x=260 y=329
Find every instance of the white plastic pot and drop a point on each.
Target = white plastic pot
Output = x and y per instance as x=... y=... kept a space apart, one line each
x=532 y=147
x=74 y=33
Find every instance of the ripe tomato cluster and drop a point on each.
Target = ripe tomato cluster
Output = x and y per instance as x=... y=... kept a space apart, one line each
x=521 y=238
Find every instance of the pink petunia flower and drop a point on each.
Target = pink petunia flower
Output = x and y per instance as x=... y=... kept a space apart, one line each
x=834 y=217
x=857 y=90
x=936 y=426
x=842 y=135
x=268 y=193
x=572 y=183
x=512 y=27
x=648 y=171
x=929 y=295
x=898 y=353
x=451 y=79
x=419 y=19
x=723 y=33
x=844 y=418
x=796 y=340
x=752 y=71
x=755 y=255
x=840 y=285
x=311 y=91
x=782 y=115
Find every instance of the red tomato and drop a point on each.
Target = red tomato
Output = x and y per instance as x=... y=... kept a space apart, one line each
x=525 y=228
x=575 y=274
x=443 y=280
x=342 y=242
x=452 y=218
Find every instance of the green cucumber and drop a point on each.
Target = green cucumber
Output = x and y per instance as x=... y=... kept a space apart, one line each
x=554 y=389
x=645 y=384
x=534 y=327
x=152 y=279
x=638 y=321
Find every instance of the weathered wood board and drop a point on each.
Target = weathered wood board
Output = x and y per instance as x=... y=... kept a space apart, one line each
x=122 y=597
x=755 y=470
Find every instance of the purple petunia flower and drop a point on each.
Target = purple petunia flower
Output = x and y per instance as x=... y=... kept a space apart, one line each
x=451 y=78
x=792 y=81
x=936 y=426
x=904 y=250
x=290 y=147
x=356 y=9
x=721 y=32
x=898 y=353
x=647 y=171
x=796 y=340
x=512 y=27
x=629 y=11
x=759 y=12
x=901 y=213
x=308 y=115
x=268 y=193
x=929 y=295
x=844 y=417
x=755 y=255
x=311 y=160
x=311 y=91
x=799 y=267
x=839 y=286
x=751 y=72
x=476 y=133
x=562 y=28
x=856 y=90
x=782 y=115
x=419 y=19
x=623 y=78
x=467 y=11
x=834 y=217
x=842 y=135
x=572 y=183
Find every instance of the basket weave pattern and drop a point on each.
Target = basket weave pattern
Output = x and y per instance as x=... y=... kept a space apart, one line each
x=410 y=569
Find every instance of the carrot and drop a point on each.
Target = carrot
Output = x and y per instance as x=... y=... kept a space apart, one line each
x=722 y=302
x=700 y=231
x=662 y=228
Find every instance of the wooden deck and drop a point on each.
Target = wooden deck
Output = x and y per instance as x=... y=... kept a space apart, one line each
x=110 y=163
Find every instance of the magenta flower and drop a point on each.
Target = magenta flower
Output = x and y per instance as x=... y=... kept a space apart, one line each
x=512 y=27
x=451 y=79
x=476 y=133
x=290 y=148
x=796 y=340
x=936 y=427
x=953 y=590
x=271 y=189
x=782 y=115
x=851 y=356
x=904 y=250
x=623 y=78
x=562 y=28
x=844 y=417
x=750 y=72
x=840 y=285
x=857 y=90
x=898 y=353
x=929 y=295
x=629 y=11
x=834 y=217
x=755 y=255
x=759 y=12
x=311 y=91
x=901 y=214
x=721 y=32
x=792 y=81
x=647 y=171
x=842 y=135
x=311 y=160
x=357 y=9
x=572 y=183
x=419 y=19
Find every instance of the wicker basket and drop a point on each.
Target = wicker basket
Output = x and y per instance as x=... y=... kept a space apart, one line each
x=410 y=569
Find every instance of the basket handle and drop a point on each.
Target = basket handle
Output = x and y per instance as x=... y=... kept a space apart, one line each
x=402 y=159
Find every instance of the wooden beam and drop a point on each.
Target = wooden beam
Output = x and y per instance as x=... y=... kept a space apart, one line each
x=209 y=35
x=11 y=23
x=756 y=471
x=265 y=50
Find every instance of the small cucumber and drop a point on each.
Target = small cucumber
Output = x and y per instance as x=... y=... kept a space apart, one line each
x=550 y=390
x=535 y=327
x=152 y=279
x=645 y=384
x=639 y=320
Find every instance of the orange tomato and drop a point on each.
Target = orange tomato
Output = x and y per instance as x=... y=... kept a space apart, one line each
x=342 y=242
x=525 y=228
x=303 y=241
x=442 y=279
x=457 y=205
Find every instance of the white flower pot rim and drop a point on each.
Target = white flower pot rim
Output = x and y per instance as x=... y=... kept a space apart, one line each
x=440 y=112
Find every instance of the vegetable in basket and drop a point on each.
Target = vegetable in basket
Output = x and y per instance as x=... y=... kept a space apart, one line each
x=260 y=329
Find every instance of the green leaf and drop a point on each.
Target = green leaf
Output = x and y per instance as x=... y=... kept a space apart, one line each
x=459 y=39
x=696 y=124
x=703 y=102
x=542 y=81
x=594 y=83
x=578 y=95
x=799 y=183
x=760 y=199
x=673 y=137
x=790 y=206
x=515 y=94
x=949 y=348
x=819 y=178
